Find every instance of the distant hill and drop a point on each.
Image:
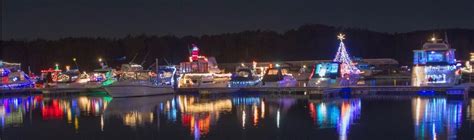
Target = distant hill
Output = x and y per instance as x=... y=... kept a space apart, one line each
x=307 y=42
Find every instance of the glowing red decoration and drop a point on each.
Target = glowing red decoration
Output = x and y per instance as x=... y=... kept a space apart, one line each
x=195 y=53
x=52 y=112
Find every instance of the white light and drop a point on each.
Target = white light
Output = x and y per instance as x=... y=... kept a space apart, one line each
x=341 y=36
x=243 y=119
x=322 y=73
x=278 y=119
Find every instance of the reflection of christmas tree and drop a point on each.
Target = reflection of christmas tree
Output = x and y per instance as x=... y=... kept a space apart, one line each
x=347 y=67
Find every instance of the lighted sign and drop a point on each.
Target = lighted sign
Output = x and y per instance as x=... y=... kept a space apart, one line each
x=327 y=70
x=435 y=56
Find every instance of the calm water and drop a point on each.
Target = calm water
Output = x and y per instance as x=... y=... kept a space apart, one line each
x=237 y=116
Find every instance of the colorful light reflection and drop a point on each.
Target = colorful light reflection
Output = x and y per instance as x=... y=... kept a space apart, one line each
x=14 y=110
x=338 y=114
x=436 y=118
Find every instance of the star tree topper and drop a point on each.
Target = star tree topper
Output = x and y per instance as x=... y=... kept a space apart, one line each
x=341 y=37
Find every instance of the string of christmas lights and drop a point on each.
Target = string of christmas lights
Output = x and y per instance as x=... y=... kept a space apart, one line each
x=347 y=67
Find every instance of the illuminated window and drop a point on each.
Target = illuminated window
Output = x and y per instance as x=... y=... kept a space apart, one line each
x=272 y=72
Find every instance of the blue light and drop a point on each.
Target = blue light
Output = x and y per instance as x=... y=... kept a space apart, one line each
x=426 y=92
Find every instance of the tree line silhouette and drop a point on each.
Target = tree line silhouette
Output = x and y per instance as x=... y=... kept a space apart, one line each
x=308 y=42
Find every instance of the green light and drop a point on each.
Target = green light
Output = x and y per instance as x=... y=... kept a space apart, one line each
x=107 y=99
x=108 y=82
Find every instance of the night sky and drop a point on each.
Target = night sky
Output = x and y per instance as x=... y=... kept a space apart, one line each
x=52 y=19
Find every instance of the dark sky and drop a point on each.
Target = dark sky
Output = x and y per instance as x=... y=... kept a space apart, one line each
x=53 y=19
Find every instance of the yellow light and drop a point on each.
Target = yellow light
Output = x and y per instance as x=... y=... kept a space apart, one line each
x=255 y=115
x=101 y=123
x=76 y=124
x=100 y=59
x=220 y=105
x=74 y=59
x=262 y=109
x=472 y=57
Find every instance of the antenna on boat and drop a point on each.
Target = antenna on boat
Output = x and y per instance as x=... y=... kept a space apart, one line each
x=446 y=37
x=144 y=59
x=189 y=50
x=147 y=52
x=29 y=70
x=133 y=59
x=166 y=61
x=156 y=63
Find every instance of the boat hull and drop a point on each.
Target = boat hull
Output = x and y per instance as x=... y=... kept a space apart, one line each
x=137 y=90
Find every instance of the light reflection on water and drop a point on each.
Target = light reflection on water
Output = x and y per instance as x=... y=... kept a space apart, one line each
x=433 y=118
x=336 y=113
x=14 y=109
x=470 y=111
x=436 y=118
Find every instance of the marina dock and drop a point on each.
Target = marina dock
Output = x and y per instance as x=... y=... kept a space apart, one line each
x=325 y=91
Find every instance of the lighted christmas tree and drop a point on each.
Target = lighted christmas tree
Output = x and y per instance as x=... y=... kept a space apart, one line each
x=347 y=67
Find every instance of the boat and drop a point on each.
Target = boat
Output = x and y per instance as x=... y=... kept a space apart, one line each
x=57 y=81
x=342 y=71
x=134 y=81
x=435 y=65
x=278 y=77
x=303 y=73
x=12 y=78
x=201 y=72
x=245 y=77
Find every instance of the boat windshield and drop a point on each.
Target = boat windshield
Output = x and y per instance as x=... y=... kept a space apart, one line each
x=243 y=73
x=275 y=71
x=275 y=74
x=272 y=72
x=166 y=73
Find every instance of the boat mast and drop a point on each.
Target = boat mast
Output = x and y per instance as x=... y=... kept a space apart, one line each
x=157 y=72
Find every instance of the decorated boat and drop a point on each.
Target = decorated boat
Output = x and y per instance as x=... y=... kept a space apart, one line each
x=278 y=77
x=57 y=81
x=245 y=77
x=201 y=72
x=134 y=81
x=435 y=65
x=342 y=71
x=12 y=78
